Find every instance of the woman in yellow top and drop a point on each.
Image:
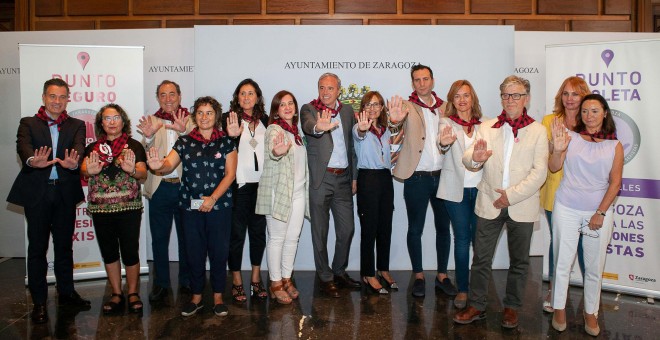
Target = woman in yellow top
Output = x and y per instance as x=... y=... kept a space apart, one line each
x=567 y=105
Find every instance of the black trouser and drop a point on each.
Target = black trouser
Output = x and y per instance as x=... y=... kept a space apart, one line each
x=375 y=203
x=119 y=231
x=244 y=219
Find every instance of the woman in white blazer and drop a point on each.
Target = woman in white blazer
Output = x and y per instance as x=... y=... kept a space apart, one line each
x=458 y=186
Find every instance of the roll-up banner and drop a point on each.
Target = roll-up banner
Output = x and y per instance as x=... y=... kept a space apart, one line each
x=96 y=75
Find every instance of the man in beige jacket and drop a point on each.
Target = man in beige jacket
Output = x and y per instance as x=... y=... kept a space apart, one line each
x=161 y=130
x=512 y=149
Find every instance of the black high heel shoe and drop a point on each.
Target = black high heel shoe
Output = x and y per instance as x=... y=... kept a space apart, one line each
x=373 y=289
x=393 y=285
x=111 y=307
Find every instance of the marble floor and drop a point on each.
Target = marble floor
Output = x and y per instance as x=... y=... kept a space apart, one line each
x=356 y=315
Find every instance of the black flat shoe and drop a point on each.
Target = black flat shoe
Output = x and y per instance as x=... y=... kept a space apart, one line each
x=111 y=307
x=157 y=293
x=135 y=306
x=39 y=313
x=73 y=300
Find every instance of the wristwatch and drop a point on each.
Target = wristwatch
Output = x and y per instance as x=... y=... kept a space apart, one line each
x=600 y=212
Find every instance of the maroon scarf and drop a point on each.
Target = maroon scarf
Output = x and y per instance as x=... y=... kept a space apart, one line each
x=378 y=132
x=474 y=121
x=292 y=129
x=215 y=135
x=41 y=114
x=515 y=124
x=109 y=151
x=600 y=135
x=320 y=107
x=246 y=117
x=168 y=116
x=414 y=98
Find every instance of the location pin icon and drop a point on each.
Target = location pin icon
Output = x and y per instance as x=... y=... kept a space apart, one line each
x=607 y=57
x=83 y=59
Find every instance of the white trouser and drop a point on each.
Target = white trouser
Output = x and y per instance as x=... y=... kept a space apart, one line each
x=283 y=237
x=566 y=223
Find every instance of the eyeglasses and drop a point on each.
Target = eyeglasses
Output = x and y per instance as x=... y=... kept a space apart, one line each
x=372 y=105
x=584 y=230
x=515 y=96
x=112 y=118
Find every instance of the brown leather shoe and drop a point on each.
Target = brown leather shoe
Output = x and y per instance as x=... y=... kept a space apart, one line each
x=468 y=315
x=330 y=289
x=510 y=318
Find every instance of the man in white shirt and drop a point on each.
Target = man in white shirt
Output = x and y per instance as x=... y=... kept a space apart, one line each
x=512 y=149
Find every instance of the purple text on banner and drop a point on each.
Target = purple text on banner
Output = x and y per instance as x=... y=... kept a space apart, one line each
x=638 y=187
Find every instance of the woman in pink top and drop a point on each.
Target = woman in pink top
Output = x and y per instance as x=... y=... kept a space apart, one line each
x=592 y=160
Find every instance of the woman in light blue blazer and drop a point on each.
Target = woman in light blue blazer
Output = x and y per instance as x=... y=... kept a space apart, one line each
x=458 y=186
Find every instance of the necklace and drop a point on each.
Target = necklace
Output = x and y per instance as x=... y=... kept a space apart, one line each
x=253 y=142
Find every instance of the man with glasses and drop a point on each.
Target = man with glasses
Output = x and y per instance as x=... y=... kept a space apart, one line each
x=512 y=149
x=418 y=165
x=162 y=129
x=48 y=187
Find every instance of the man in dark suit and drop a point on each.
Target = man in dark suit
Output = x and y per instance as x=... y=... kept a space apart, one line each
x=48 y=187
x=332 y=173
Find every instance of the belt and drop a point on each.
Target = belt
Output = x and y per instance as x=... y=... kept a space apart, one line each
x=336 y=171
x=171 y=180
x=427 y=173
x=53 y=182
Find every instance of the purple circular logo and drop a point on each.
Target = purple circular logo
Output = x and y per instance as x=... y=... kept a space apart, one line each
x=628 y=134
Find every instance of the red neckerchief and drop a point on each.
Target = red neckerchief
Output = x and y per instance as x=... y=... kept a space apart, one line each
x=515 y=124
x=600 y=135
x=215 y=135
x=414 y=98
x=292 y=129
x=41 y=114
x=320 y=107
x=108 y=151
x=248 y=118
x=378 y=132
x=473 y=121
x=168 y=116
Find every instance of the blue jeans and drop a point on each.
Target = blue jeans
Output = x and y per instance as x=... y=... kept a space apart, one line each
x=418 y=191
x=551 y=259
x=163 y=207
x=464 y=222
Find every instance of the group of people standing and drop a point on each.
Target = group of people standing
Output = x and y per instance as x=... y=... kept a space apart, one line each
x=221 y=176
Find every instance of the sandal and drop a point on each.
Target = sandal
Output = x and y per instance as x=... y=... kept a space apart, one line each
x=111 y=307
x=136 y=305
x=238 y=293
x=257 y=289
x=287 y=284
x=278 y=293
x=547 y=304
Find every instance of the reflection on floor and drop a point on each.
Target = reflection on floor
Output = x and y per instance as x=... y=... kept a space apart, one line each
x=356 y=315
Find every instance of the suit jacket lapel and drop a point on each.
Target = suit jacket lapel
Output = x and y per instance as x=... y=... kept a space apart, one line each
x=460 y=135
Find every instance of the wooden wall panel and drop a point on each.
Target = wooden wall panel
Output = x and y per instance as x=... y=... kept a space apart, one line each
x=45 y=8
x=600 y=26
x=129 y=24
x=568 y=7
x=331 y=21
x=537 y=25
x=467 y=22
x=104 y=7
x=501 y=6
x=435 y=7
x=618 y=6
x=297 y=6
x=264 y=22
x=229 y=6
x=365 y=6
x=193 y=22
x=63 y=25
x=163 y=7
x=400 y=21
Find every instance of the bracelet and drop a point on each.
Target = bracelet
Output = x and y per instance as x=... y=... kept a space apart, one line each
x=600 y=212
x=133 y=173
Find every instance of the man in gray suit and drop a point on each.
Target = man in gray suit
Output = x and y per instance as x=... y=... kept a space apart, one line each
x=332 y=173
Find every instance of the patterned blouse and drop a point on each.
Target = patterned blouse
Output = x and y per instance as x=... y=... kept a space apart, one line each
x=114 y=190
x=203 y=169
